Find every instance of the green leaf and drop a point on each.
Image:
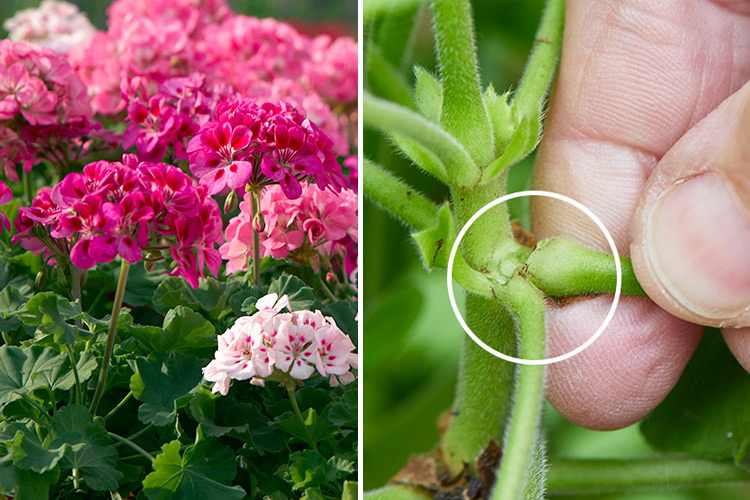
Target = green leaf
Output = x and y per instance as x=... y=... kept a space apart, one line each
x=28 y=485
x=435 y=244
x=90 y=450
x=343 y=313
x=61 y=376
x=212 y=296
x=202 y=472
x=309 y=468
x=524 y=141
x=11 y=300
x=31 y=454
x=163 y=382
x=428 y=95
x=19 y=369
x=315 y=428
x=169 y=294
x=707 y=411
x=421 y=156
x=300 y=295
x=502 y=118
x=50 y=312
x=184 y=330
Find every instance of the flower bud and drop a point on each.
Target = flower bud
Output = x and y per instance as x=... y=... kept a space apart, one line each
x=331 y=278
x=230 y=204
x=41 y=277
x=259 y=224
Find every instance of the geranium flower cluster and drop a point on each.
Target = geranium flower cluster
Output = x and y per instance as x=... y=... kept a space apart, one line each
x=275 y=345
x=318 y=228
x=265 y=58
x=262 y=145
x=55 y=24
x=43 y=106
x=169 y=115
x=125 y=208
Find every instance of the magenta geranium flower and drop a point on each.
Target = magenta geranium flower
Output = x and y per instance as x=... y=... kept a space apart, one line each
x=123 y=209
x=261 y=145
x=5 y=196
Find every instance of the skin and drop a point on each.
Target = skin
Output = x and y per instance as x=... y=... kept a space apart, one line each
x=650 y=106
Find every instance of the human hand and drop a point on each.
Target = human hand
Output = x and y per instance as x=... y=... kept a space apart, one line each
x=625 y=132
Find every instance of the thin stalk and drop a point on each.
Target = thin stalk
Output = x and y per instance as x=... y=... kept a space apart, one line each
x=326 y=291
x=255 y=210
x=28 y=186
x=527 y=305
x=134 y=446
x=141 y=432
x=119 y=405
x=588 y=477
x=76 y=479
x=392 y=118
x=75 y=278
x=36 y=405
x=301 y=419
x=463 y=113
x=6 y=338
x=540 y=68
x=398 y=198
x=111 y=335
x=74 y=366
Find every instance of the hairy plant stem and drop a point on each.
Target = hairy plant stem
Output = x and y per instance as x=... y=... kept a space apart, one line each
x=74 y=367
x=540 y=69
x=479 y=414
x=298 y=413
x=392 y=118
x=397 y=197
x=463 y=113
x=111 y=335
x=134 y=446
x=527 y=306
x=595 y=476
x=255 y=211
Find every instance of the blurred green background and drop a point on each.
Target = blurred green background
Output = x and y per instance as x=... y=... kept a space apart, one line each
x=411 y=338
x=319 y=11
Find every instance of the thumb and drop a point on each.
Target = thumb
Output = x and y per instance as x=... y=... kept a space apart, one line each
x=691 y=231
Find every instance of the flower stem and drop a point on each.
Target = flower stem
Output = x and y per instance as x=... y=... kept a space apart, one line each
x=595 y=476
x=28 y=186
x=119 y=405
x=463 y=113
x=111 y=335
x=392 y=118
x=132 y=445
x=527 y=305
x=254 y=210
x=398 y=198
x=301 y=419
x=74 y=366
x=540 y=69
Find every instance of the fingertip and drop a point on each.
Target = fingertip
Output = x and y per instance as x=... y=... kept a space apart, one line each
x=627 y=372
x=738 y=340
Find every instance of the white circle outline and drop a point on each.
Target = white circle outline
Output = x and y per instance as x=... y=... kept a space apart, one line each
x=503 y=199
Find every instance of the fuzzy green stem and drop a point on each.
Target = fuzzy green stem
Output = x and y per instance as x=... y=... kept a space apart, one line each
x=392 y=118
x=540 y=69
x=119 y=405
x=301 y=419
x=561 y=268
x=463 y=113
x=74 y=367
x=134 y=446
x=111 y=335
x=479 y=413
x=593 y=476
x=398 y=198
x=254 y=211
x=527 y=305
x=385 y=80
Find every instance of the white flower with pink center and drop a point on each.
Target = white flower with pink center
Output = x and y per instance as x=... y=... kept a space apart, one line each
x=296 y=350
x=335 y=349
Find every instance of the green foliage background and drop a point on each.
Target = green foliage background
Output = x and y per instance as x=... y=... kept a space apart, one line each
x=411 y=339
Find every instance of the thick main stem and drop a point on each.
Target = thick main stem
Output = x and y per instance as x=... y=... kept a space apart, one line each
x=111 y=335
